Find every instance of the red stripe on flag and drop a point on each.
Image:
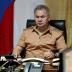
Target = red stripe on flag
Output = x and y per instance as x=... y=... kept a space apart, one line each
x=6 y=31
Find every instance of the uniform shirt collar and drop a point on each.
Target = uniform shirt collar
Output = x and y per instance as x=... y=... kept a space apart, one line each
x=48 y=30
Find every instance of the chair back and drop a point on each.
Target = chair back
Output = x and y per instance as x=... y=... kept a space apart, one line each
x=60 y=24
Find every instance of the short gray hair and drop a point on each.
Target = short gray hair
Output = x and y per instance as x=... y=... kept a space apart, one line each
x=41 y=7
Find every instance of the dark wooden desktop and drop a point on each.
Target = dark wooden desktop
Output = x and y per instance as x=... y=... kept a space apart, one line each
x=48 y=68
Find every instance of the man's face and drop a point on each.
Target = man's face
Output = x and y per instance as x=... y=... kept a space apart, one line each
x=41 y=18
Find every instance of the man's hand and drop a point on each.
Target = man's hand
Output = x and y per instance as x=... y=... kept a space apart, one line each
x=49 y=54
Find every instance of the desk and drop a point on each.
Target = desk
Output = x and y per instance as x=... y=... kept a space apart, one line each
x=48 y=68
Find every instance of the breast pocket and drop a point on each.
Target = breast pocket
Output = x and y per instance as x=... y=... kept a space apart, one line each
x=50 y=41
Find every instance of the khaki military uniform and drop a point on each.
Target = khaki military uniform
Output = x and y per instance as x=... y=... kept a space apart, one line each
x=40 y=45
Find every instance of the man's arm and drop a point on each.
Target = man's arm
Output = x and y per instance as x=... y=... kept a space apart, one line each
x=17 y=51
x=60 y=43
x=20 y=45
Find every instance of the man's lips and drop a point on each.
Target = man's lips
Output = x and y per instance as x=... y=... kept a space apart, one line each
x=40 y=23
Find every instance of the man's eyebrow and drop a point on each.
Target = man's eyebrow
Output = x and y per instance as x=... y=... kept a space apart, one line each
x=40 y=16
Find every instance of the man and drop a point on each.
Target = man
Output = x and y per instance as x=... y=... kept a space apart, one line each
x=42 y=40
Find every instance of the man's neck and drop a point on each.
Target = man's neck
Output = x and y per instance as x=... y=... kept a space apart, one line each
x=42 y=29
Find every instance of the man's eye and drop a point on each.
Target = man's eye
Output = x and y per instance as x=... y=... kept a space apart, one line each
x=37 y=16
x=42 y=16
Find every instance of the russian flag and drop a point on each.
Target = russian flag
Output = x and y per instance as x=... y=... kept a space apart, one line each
x=6 y=26
x=13 y=17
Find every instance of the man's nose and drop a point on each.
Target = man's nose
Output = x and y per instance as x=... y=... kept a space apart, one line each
x=40 y=19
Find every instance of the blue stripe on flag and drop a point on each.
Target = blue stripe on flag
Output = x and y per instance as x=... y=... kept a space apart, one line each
x=4 y=4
